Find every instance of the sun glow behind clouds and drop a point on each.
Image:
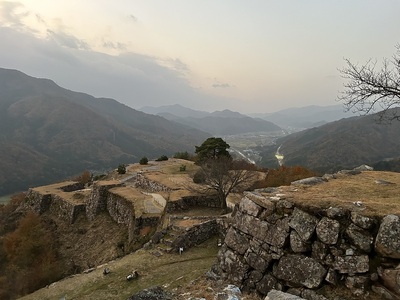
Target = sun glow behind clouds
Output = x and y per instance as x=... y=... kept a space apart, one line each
x=263 y=53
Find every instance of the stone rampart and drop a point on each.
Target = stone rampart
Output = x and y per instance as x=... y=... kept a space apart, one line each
x=188 y=202
x=274 y=244
x=121 y=211
x=66 y=210
x=139 y=180
x=196 y=234
x=38 y=202
x=98 y=198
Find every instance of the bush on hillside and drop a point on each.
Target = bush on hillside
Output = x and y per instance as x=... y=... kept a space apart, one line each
x=144 y=160
x=121 y=169
x=183 y=155
x=283 y=176
x=162 y=158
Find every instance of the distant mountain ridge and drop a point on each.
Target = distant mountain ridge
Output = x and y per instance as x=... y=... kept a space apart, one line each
x=225 y=122
x=305 y=117
x=49 y=133
x=343 y=144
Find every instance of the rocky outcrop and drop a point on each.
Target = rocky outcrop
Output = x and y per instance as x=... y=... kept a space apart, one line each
x=274 y=244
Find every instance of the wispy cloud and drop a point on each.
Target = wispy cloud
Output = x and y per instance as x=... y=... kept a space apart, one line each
x=115 y=45
x=67 y=40
x=222 y=85
x=12 y=13
x=133 y=18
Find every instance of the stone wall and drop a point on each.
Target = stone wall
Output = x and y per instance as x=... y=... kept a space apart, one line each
x=98 y=198
x=196 y=234
x=188 y=202
x=65 y=210
x=139 y=180
x=37 y=202
x=121 y=211
x=272 y=244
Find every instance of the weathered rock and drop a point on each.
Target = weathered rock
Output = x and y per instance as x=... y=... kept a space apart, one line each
x=249 y=207
x=251 y=225
x=278 y=295
x=336 y=212
x=303 y=223
x=259 y=261
x=328 y=231
x=231 y=292
x=309 y=181
x=357 y=284
x=153 y=293
x=359 y=237
x=319 y=250
x=351 y=264
x=296 y=243
x=267 y=283
x=233 y=266
x=236 y=241
x=278 y=234
x=332 y=277
x=300 y=270
x=312 y=295
x=362 y=221
x=384 y=293
x=387 y=241
x=390 y=279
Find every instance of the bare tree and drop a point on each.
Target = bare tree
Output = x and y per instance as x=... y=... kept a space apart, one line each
x=369 y=88
x=223 y=176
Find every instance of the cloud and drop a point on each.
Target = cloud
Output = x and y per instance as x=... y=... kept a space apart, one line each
x=133 y=79
x=133 y=18
x=222 y=85
x=67 y=40
x=115 y=45
x=11 y=14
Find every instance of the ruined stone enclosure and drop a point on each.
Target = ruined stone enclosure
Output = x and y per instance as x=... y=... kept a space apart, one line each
x=339 y=235
x=143 y=199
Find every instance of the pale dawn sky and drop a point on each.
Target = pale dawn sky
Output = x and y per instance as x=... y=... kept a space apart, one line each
x=248 y=56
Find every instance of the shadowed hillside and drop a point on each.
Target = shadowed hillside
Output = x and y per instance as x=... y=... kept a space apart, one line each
x=48 y=133
x=338 y=145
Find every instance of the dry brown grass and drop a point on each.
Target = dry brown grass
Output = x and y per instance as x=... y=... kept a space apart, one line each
x=377 y=199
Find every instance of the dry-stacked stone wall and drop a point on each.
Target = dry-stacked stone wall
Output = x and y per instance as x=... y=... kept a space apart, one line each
x=98 y=198
x=38 y=202
x=65 y=210
x=188 y=202
x=121 y=211
x=274 y=244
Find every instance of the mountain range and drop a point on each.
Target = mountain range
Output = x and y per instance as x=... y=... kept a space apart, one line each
x=343 y=144
x=225 y=122
x=48 y=133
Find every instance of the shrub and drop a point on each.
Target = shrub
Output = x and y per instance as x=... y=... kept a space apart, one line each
x=199 y=177
x=121 y=169
x=162 y=158
x=143 y=160
x=182 y=168
x=85 y=177
x=283 y=176
x=183 y=155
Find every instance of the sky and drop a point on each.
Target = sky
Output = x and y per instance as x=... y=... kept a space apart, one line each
x=248 y=56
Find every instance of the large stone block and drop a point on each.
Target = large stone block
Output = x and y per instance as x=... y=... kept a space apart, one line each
x=359 y=237
x=351 y=264
x=387 y=241
x=236 y=241
x=300 y=270
x=247 y=206
x=328 y=231
x=277 y=235
x=303 y=223
x=297 y=244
